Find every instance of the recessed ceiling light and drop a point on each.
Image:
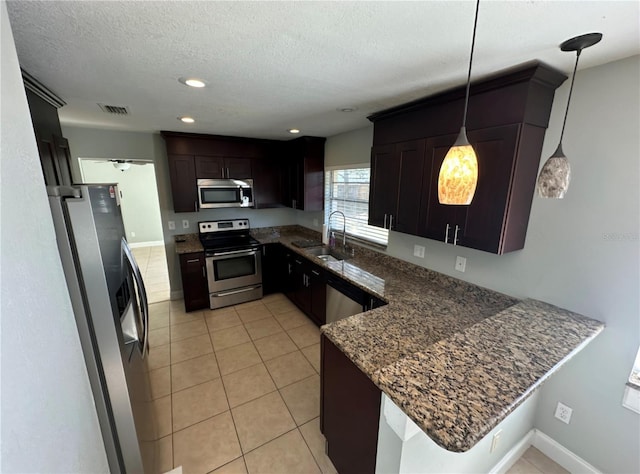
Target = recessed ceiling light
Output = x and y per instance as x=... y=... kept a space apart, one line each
x=347 y=109
x=186 y=119
x=293 y=130
x=192 y=82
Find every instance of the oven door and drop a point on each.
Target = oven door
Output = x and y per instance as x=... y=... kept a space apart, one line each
x=234 y=269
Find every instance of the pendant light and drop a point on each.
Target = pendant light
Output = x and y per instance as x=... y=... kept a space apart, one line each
x=555 y=175
x=459 y=171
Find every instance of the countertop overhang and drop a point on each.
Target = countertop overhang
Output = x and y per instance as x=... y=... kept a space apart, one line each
x=455 y=357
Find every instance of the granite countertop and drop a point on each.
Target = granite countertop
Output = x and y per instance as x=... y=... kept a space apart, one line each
x=188 y=243
x=457 y=358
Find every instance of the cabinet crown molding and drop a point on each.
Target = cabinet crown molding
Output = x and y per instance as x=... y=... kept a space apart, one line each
x=34 y=85
x=531 y=71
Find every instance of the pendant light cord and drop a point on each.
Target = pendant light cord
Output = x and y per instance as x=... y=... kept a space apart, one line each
x=573 y=79
x=473 y=44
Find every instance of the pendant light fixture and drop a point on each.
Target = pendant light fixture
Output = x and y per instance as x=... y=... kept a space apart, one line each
x=555 y=175
x=459 y=171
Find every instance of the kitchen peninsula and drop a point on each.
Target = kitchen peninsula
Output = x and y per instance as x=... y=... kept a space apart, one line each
x=456 y=358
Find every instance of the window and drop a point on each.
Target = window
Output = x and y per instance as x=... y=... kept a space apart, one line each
x=347 y=190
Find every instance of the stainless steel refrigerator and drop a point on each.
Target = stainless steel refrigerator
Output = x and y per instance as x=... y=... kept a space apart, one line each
x=110 y=306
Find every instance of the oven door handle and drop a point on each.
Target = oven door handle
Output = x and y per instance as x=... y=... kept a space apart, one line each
x=235 y=252
x=235 y=292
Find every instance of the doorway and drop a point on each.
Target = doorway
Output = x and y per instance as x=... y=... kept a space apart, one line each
x=140 y=208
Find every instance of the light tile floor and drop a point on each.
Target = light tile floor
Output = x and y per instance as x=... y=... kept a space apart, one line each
x=237 y=390
x=534 y=462
x=152 y=261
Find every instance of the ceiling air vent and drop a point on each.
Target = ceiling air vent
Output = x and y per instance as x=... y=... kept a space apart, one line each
x=114 y=109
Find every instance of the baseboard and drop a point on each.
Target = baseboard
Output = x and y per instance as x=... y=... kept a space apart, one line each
x=554 y=450
x=550 y=448
x=152 y=243
x=176 y=295
x=514 y=454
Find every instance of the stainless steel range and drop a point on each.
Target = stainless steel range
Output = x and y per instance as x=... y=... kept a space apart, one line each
x=233 y=259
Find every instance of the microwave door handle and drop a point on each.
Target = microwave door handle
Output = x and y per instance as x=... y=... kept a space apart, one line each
x=142 y=294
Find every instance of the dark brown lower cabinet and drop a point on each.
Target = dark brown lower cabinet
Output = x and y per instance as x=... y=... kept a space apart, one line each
x=194 y=281
x=308 y=289
x=349 y=412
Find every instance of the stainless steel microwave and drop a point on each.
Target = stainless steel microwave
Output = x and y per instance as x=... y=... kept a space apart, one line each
x=215 y=193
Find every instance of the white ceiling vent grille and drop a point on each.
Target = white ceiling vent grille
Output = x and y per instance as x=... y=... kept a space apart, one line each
x=114 y=109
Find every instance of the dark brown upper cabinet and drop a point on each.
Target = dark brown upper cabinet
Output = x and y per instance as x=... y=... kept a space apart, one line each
x=219 y=167
x=304 y=173
x=53 y=148
x=284 y=173
x=507 y=119
x=396 y=175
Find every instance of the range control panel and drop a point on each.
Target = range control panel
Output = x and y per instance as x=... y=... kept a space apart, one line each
x=223 y=226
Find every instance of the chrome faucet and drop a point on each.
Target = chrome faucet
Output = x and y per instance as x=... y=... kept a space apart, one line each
x=344 y=229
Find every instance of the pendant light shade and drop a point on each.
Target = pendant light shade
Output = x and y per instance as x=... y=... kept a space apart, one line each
x=555 y=175
x=459 y=170
x=459 y=173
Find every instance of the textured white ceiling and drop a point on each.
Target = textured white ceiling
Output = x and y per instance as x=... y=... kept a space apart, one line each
x=271 y=66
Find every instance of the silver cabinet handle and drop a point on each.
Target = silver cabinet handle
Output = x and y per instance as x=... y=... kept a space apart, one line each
x=204 y=273
x=289 y=266
x=193 y=260
x=195 y=206
x=385 y=221
x=264 y=250
x=228 y=174
x=455 y=236
x=315 y=273
x=446 y=235
x=298 y=262
x=390 y=221
x=222 y=172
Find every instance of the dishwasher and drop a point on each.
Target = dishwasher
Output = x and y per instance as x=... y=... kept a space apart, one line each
x=343 y=299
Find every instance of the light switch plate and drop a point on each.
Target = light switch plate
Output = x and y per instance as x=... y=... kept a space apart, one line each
x=172 y=225
x=418 y=251
x=185 y=224
x=461 y=264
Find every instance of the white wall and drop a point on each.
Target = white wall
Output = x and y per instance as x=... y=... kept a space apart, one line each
x=49 y=422
x=139 y=197
x=570 y=258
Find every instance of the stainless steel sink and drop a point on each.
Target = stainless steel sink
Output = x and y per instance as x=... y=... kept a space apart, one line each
x=327 y=254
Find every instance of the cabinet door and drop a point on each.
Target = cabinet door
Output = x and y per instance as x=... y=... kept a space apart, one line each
x=237 y=168
x=411 y=156
x=62 y=160
x=383 y=193
x=210 y=167
x=182 y=173
x=318 y=295
x=486 y=216
x=268 y=183
x=194 y=281
x=349 y=412
x=273 y=268
x=436 y=217
x=301 y=289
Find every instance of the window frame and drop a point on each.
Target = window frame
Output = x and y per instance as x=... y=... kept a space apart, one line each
x=327 y=207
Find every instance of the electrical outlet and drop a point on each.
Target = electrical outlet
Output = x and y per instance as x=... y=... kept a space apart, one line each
x=172 y=225
x=133 y=234
x=461 y=264
x=563 y=413
x=495 y=441
x=418 y=251
x=185 y=224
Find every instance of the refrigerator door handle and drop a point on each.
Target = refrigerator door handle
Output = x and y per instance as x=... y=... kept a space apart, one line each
x=142 y=294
